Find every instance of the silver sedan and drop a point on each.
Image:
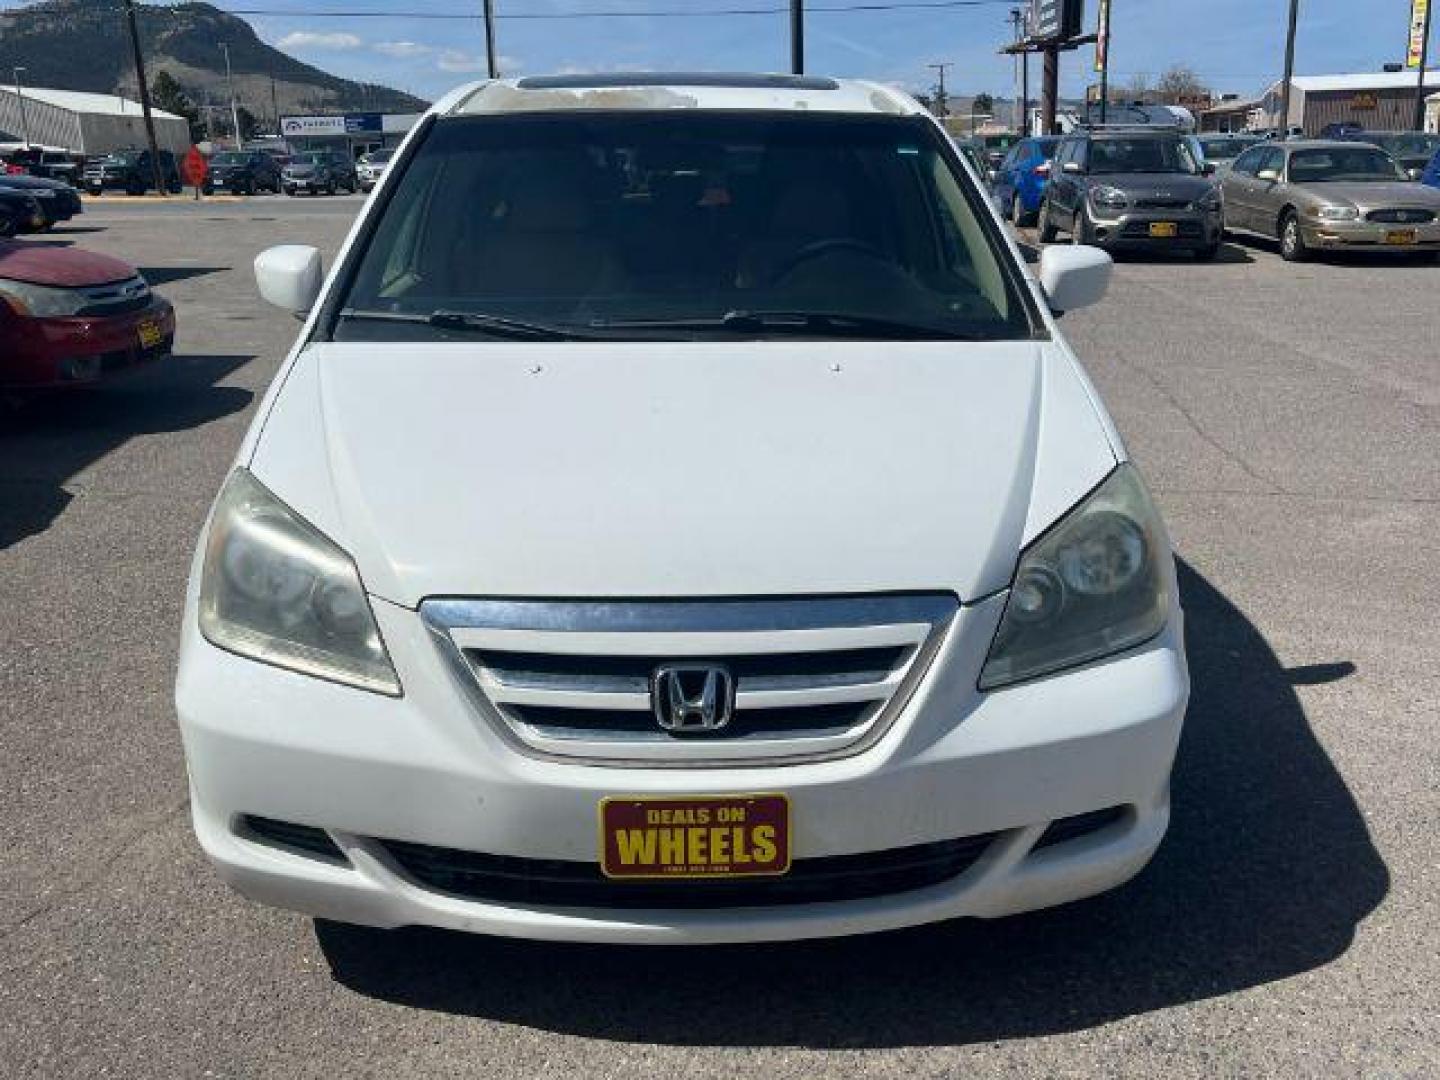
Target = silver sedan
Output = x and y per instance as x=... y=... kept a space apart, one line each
x=1330 y=196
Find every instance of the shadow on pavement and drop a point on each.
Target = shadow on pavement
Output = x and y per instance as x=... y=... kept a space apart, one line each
x=46 y=440
x=1266 y=873
x=166 y=275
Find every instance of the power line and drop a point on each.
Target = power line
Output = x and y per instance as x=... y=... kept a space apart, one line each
x=651 y=13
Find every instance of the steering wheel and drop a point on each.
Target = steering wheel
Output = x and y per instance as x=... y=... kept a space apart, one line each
x=821 y=248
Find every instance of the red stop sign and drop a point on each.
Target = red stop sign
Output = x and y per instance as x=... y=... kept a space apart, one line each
x=193 y=167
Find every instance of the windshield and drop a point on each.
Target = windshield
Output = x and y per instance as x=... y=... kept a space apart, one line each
x=308 y=159
x=1357 y=163
x=1225 y=149
x=599 y=221
x=1047 y=148
x=1409 y=145
x=229 y=158
x=1144 y=155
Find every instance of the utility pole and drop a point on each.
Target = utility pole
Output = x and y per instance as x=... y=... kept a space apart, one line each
x=490 y=65
x=1102 y=55
x=1020 y=119
x=230 y=84
x=797 y=37
x=144 y=87
x=1289 y=69
x=274 y=105
x=1424 y=57
x=942 y=101
x=25 y=120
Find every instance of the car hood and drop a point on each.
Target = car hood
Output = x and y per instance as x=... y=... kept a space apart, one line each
x=682 y=469
x=43 y=264
x=1162 y=185
x=1373 y=196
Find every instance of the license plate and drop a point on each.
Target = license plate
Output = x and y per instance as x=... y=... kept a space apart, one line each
x=150 y=334
x=1162 y=230
x=1400 y=236
x=708 y=836
x=301 y=183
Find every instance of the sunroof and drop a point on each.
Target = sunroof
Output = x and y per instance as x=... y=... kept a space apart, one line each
x=690 y=78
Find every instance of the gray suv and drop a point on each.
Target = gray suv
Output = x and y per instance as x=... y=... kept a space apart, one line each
x=1133 y=189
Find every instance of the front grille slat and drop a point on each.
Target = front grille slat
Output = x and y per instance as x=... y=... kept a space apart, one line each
x=1401 y=216
x=557 y=883
x=811 y=676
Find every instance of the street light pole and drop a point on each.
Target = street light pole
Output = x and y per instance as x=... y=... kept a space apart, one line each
x=157 y=174
x=25 y=120
x=490 y=63
x=230 y=83
x=942 y=101
x=797 y=37
x=1289 y=69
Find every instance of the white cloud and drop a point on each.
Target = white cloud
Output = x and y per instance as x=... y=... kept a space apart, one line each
x=458 y=61
x=403 y=50
x=309 y=39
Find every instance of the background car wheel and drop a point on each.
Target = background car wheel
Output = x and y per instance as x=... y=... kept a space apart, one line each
x=1292 y=240
x=1080 y=228
x=1048 y=231
x=1018 y=216
x=1207 y=253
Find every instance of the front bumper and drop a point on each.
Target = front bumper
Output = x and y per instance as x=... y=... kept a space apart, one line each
x=1369 y=236
x=429 y=769
x=1132 y=230
x=49 y=353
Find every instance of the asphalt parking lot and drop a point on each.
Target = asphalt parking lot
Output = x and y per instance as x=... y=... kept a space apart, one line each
x=1288 y=418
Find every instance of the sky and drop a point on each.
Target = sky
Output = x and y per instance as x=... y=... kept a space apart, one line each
x=1236 y=46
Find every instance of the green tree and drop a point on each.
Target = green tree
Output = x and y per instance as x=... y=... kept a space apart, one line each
x=984 y=105
x=167 y=93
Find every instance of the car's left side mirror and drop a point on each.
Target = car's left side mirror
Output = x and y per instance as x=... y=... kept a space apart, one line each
x=1074 y=277
x=290 y=276
x=1207 y=169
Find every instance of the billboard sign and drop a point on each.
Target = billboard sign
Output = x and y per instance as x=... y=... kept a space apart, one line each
x=1419 y=27
x=1102 y=38
x=1056 y=20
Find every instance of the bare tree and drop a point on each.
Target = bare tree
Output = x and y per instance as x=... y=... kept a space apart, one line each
x=1179 y=86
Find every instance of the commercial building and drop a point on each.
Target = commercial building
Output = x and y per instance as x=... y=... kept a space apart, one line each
x=355 y=133
x=1379 y=101
x=81 y=123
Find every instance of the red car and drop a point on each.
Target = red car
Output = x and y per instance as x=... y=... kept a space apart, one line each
x=72 y=318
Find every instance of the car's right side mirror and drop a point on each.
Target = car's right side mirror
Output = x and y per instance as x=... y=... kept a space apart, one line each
x=1074 y=168
x=290 y=276
x=1074 y=277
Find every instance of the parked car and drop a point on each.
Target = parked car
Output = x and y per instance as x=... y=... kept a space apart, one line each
x=70 y=318
x=788 y=579
x=19 y=212
x=371 y=167
x=130 y=171
x=52 y=163
x=1412 y=150
x=1132 y=189
x=1020 y=181
x=319 y=171
x=1222 y=150
x=1342 y=130
x=58 y=200
x=997 y=146
x=1431 y=175
x=1330 y=195
x=973 y=151
x=243 y=172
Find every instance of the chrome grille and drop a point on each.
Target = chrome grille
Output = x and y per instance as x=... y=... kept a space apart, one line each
x=1401 y=216
x=1162 y=204
x=813 y=677
x=116 y=297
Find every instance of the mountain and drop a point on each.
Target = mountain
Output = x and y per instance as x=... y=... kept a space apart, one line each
x=83 y=45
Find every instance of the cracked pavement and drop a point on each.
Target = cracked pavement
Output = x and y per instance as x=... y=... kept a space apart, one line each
x=1288 y=419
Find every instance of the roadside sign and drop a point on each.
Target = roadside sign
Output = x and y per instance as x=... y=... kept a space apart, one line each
x=1056 y=20
x=1419 y=25
x=193 y=168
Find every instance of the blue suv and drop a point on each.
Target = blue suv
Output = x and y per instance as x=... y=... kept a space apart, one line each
x=1019 y=182
x=1431 y=175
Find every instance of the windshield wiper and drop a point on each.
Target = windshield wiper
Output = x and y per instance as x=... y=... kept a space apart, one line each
x=823 y=323
x=500 y=326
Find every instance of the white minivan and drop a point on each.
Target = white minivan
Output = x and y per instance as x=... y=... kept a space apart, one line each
x=680 y=520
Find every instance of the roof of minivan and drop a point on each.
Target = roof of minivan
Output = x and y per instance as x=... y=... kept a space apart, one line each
x=789 y=93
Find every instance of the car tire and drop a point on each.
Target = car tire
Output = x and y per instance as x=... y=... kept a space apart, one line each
x=1208 y=253
x=1048 y=232
x=1292 y=239
x=1018 y=215
x=7 y=228
x=330 y=188
x=1080 y=228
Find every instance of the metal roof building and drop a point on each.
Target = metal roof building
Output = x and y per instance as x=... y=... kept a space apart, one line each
x=1377 y=101
x=84 y=123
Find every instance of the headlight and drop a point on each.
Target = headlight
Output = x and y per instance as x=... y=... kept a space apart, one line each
x=40 y=301
x=273 y=588
x=1097 y=583
x=1109 y=198
x=1337 y=213
x=1210 y=201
